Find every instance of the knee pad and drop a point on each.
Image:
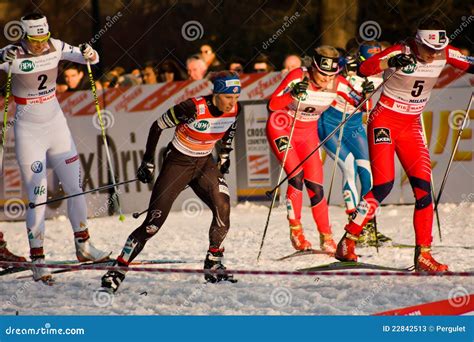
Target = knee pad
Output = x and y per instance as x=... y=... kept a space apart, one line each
x=423 y=197
x=382 y=190
x=297 y=181
x=318 y=191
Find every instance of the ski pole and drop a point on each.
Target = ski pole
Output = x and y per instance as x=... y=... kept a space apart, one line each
x=104 y=138
x=443 y=183
x=376 y=229
x=32 y=205
x=5 y=114
x=433 y=191
x=137 y=214
x=338 y=150
x=269 y=193
x=275 y=193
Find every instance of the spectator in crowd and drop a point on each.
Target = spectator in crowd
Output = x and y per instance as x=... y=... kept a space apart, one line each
x=291 y=62
x=196 y=67
x=74 y=78
x=209 y=56
x=118 y=70
x=128 y=80
x=138 y=74
x=109 y=80
x=149 y=73
x=236 y=64
x=169 y=71
x=262 y=64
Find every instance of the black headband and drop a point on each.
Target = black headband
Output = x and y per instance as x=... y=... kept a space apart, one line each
x=326 y=65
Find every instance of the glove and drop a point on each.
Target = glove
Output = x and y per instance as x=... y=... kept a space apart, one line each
x=401 y=60
x=87 y=51
x=299 y=89
x=224 y=161
x=145 y=172
x=367 y=87
x=9 y=54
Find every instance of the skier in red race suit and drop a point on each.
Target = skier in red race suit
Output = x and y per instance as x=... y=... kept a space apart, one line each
x=394 y=127
x=309 y=92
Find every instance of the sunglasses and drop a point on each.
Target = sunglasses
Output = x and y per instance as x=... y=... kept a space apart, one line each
x=39 y=40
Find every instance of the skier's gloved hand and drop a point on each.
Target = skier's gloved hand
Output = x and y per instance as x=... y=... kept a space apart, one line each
x=224 y=161
x=8 y=54
x=146 y=171
x=367 y=87
x=87 y=51
x=401 y=60
x=299 y=89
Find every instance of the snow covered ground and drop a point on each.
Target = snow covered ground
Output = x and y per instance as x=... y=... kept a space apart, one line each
x=184 y=236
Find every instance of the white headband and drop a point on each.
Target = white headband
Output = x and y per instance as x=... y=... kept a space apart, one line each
x=435 y=39
x=35 y=27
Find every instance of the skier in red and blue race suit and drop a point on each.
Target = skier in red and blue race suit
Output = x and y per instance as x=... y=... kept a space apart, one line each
x=353 y=157
x=308 y=92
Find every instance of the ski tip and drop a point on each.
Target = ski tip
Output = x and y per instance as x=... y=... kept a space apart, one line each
x=122 y=218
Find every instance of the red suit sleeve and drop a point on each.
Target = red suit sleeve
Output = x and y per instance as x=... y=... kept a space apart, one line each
x=281 y=97
x=455 y=58
x=347 y=92
x=371 y=66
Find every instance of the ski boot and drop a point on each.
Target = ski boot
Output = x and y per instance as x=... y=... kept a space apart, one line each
x=85 y=250
x=327 y=243
x=370 y=236
x=110 y=282
x=6 y=255
x=297 y=238
x=213 y=262
x=424 y=261
x=346 y=248
x=40 y=273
